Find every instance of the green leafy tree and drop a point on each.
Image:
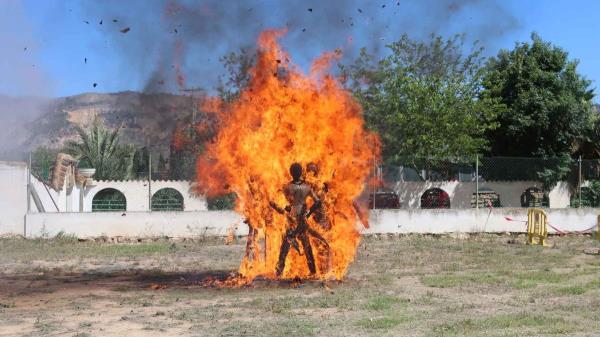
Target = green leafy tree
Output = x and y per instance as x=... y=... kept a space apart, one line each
x=237 y=68
x=425 y=98
x=184 y=153
x=548 y=103
x=99 y=148
x=549 y=106
x=42 y=159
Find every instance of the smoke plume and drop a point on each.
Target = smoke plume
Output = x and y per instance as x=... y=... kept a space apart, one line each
x=177 y=43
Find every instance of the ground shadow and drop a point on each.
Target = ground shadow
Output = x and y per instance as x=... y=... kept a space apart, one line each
x=51 y=282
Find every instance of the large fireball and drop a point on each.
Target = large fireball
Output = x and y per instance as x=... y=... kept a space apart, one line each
x=286 y=116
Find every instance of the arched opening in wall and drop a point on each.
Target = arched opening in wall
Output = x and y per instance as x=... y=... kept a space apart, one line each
x=109 y=200
x=167 y=199
x=435 y=198
x=486 y=198
x=534 y=197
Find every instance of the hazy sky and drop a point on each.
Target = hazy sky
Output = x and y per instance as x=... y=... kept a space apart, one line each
x=45 y=43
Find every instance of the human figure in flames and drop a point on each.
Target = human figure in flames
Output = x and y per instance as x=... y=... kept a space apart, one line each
x=296 y=192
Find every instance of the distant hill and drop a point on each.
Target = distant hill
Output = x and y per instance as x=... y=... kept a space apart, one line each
x=146 y=119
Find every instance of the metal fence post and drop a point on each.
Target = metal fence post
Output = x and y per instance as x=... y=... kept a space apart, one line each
x=28 y=196
x=374 y=183
x=477 y=181
x=149 y=182
x=580 y=181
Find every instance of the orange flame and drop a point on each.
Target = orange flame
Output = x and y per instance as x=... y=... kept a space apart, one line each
x=286 y=116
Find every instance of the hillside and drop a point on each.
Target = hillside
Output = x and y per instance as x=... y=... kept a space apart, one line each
x=146 y=119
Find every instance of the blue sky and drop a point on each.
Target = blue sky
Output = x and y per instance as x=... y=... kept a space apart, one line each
x=45 y=42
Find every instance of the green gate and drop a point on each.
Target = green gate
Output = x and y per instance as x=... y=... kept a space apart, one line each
x=109 y=200
x=167 y=199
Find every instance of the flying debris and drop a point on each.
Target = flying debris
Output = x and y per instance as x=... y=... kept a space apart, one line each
x=95 y=85
x=125 y=30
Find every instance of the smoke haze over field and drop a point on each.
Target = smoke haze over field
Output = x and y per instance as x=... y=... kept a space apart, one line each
x=169 y=38
x=167 y=45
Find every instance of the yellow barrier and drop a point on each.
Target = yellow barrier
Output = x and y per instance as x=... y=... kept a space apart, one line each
x=598 y=228
x=537 y=230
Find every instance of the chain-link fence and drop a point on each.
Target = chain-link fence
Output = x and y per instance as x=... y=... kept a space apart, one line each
x=459 y=182
x=485 y=182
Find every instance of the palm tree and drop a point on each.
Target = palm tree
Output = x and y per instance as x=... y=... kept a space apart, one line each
x=99 y=148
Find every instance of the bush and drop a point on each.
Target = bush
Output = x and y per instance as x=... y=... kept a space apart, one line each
x=590 y=195
x=221 y=202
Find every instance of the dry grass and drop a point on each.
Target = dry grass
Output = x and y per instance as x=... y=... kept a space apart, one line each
x=398 y=286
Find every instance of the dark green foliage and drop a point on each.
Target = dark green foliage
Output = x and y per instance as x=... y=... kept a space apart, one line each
x=109 y=199
x=167 y=199
x=548 y=106
x=140 y=162
x=161 y=168
x=182 y=158
x=590 y=195
x=221 y=202
x=99 y=148
x=548 y=102
x=425 y=99
x=237 y=68
x=42 y=160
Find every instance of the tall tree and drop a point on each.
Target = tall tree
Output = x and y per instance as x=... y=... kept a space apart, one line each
x=425 y=98
x=548 y=102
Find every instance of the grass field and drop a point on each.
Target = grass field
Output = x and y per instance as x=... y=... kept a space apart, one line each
x=484 y=285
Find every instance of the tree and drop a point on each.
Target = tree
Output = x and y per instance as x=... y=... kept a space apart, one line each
x=549 y=108
x=42 y=159
x=99 y=148
x=425 y=98
x=237 y=67
x=186 y=145
x=548 y=103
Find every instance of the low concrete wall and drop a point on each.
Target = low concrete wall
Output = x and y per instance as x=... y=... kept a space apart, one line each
x=460 y=193
x=13 y=196
x=475 y=220
x=142 y=224
x=179 y=224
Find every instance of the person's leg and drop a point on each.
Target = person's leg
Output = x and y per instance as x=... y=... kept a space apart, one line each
x=310 y=259
x=283 y=251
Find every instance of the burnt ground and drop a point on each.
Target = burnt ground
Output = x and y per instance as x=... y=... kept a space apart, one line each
x=483 y=285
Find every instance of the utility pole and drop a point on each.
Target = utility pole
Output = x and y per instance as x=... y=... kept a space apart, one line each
x=192 y=92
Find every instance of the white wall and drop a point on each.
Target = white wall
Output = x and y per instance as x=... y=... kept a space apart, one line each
x=217 y=222
x=144 y=224
x=136 y=193
x=475 y=220
x=13 y=196
x=460 y=193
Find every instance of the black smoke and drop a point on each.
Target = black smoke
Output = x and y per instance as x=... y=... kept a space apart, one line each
x=168 y=38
